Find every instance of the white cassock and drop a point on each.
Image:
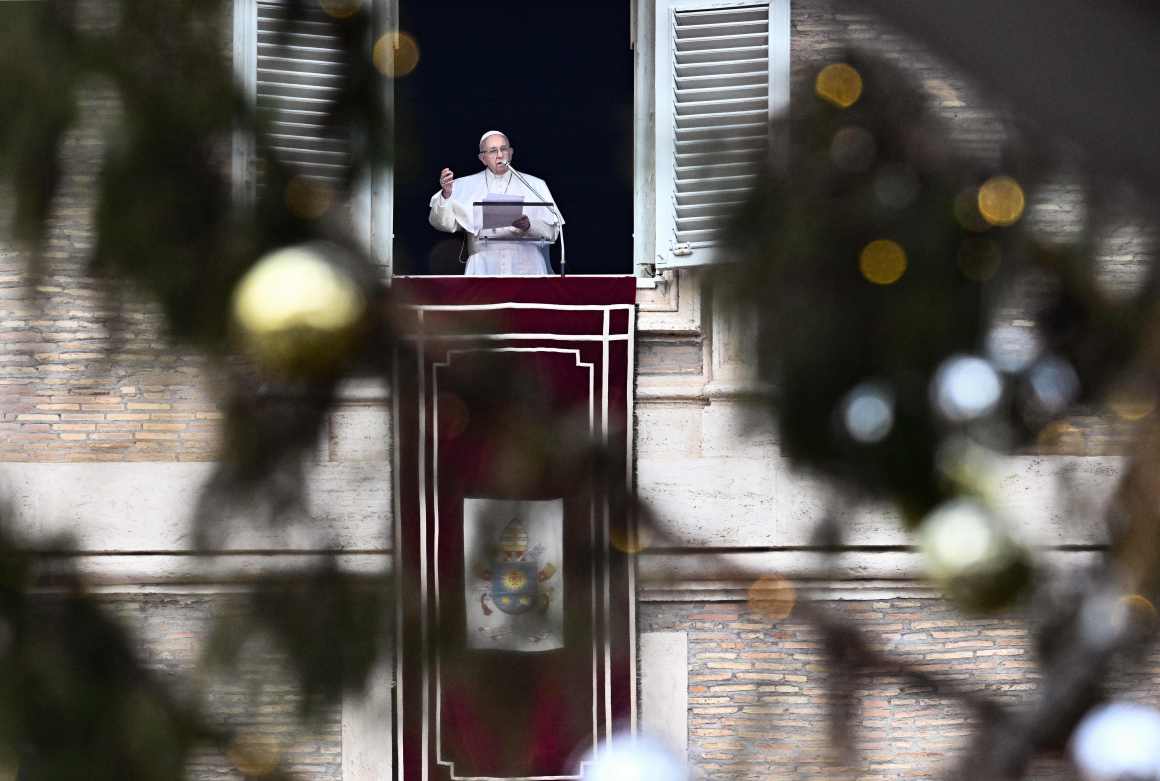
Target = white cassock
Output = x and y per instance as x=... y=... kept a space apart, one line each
x=497 y=258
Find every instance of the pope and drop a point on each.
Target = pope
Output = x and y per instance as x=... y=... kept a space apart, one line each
x=497 y=251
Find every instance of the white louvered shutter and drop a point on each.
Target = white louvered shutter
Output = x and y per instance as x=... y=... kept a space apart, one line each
x=294 y=85
x=717 y=87
x=301 y=66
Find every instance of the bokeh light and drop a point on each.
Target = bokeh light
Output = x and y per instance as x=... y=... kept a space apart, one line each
x=395 y=54
x=1012 y=348
x=979 y=258
x=965 y=388
x=340 y=9
x=895 y=187
x=966 y=210
x=1052 y=385
x=308 y=198
x=255 y=755
x=632 y=540
x=882 y=262
x=633 y=758
x=295 y=307
x=868 y=412
x=1103 y=618
x=1131 y=401
x=853 y=149
x=1001 y=200
x=1140 y=609
x=961 y=537
x=839 y=84
x=453 y=415
x=521 y=454
x=966 y=463
x=772 y=597
x=1060 y=436
x=1118 y=741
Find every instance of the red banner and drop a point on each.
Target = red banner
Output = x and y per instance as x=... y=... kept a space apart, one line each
x=516 y=625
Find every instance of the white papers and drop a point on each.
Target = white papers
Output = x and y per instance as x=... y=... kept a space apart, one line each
x=501 y=210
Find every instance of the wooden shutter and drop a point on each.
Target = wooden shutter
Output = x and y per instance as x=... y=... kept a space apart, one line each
x=301 y=67
x=713 y=93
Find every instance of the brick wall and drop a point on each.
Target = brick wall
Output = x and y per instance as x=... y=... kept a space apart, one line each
x=759 y=701
x=261 y=703
x=80 y=381
x=821 y=33
x=68 y=393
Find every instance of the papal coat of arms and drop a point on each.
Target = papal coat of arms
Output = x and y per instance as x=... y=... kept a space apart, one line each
x=513 y=556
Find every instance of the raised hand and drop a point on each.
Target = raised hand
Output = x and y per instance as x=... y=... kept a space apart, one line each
x=446 y=177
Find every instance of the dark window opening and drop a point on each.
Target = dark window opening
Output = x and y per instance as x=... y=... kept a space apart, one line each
x=557 y=77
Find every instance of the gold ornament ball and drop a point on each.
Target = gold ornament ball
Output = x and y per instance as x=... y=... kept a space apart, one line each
x=296 y=311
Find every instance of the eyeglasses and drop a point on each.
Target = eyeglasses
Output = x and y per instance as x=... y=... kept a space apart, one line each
x=497 y=150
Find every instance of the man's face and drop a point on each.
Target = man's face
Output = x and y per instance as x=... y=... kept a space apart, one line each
x=495 y=153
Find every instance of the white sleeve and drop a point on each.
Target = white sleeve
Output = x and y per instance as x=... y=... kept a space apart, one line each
x=545 y=223
x=451 y=214
x=442 y=216
x=542 y=229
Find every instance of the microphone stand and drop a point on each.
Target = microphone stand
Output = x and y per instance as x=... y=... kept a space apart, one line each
x=555 y=211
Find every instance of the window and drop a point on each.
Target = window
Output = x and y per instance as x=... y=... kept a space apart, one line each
x=293 y=69
x=721 y=74
x=566 y=100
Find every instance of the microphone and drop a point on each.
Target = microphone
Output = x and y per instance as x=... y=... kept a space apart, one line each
x=552 y=208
